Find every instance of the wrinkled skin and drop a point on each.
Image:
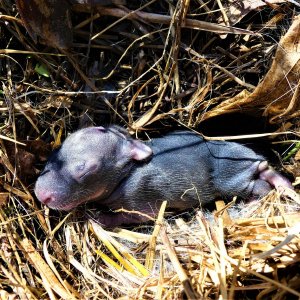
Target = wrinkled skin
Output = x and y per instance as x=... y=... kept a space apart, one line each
x=107 y=166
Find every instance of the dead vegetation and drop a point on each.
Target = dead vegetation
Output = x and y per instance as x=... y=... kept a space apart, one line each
x=149 y=66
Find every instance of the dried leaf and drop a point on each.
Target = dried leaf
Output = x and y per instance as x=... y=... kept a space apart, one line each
x=277 y=96
x=49 y=19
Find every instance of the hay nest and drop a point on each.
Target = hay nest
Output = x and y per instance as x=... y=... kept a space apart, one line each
x=148 y=66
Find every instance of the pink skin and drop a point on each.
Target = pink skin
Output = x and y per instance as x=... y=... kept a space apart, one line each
x=45 y=196
x=267 y=174
x=48 y=198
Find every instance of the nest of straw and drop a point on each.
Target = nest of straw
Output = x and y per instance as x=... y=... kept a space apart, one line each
x=150 y=66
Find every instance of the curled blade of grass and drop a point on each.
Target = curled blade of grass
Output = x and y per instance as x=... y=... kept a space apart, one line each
x=134 y=97
x=146 y=117
x=126 y=52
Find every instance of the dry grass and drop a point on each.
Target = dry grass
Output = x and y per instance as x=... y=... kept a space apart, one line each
x=149 y=66
x=225 y=258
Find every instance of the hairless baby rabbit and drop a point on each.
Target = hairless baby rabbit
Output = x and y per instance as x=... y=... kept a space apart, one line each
x=106 y=165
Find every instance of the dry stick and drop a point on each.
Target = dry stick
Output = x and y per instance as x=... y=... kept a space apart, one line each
x=139 y=26
x=10 y=18
x=125 y=53
x=162 y=19
x=126 y=13
x=183 y=277
x=87 y=21
x=14 y=51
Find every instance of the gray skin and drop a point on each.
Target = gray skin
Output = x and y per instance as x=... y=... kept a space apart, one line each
x=106 y=165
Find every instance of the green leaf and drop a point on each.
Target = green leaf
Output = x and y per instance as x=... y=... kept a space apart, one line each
x=42 y=69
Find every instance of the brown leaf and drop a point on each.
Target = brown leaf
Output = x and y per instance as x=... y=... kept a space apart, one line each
x=277 y=96
x=49 y=19
x=3 y=198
